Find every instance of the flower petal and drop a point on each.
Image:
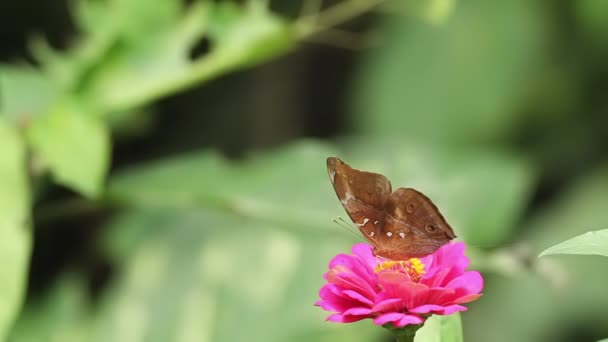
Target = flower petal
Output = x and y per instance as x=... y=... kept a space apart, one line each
x=388 y=317
x=340 y=318
x=344 y=278
x=470 y=282
x=453 y=308
x=364 y=251
x=358 y=311
x=357 y=296
x=398 y=319
x=392 y=304
x=409 y=319
x=424 y=309
x=467 y=298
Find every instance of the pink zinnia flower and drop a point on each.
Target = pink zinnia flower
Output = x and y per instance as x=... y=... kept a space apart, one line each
x=362 y=286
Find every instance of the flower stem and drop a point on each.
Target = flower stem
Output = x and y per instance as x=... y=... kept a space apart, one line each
x=405 y=334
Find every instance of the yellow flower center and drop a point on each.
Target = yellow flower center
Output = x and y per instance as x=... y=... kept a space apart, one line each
x=412 y=267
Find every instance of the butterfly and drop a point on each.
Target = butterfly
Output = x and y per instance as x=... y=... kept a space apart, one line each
x=399 y=224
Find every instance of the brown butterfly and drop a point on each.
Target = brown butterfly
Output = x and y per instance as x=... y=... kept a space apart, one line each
x=399 y=224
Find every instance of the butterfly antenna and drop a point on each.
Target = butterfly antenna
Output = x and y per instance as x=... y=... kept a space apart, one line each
x=349 y=228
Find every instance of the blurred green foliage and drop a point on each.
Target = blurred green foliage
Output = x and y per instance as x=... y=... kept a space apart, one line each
x=466 y=101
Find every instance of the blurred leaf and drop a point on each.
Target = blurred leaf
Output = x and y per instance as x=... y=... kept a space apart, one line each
x=251 y=34
x=593 y=18
x=435 y=11
x=441 y=329
x=209 y=276
x=563 y=292
x=76 y=146
x=61 y=316
x=257 y=188
x=595 y=242
x=24 y=91
x=456 y=82
x=201 y=207
x=463 y=184
x=15 y=233
x=132 y=53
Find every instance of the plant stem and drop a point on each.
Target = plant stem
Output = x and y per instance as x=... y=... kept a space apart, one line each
x=405 y=334
x=333 y=16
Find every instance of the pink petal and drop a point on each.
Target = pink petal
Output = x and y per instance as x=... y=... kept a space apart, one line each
x=364 y=251
x=467 y=298
x=445 y=264
x=393 y=304
x=357 y=296
x=343 y=263
x=452 y=309
x=331 y=301
x=440 y=296
x=339 y=318
x=409 y=319
x=358 y=311
x=350 y=281
x=388 y=317
x=438 y=309
x=424 y=309
x=398 y=285
x=468 y=283
x=398 y=319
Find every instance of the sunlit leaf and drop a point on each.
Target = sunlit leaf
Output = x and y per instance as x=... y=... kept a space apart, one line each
x=595 y=242
x=15 y=233
x=441 y=329
x=24 y=91
x=75 y=145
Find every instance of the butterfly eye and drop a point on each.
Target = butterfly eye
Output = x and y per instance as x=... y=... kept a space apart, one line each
x=410 y=208
x=430 y=228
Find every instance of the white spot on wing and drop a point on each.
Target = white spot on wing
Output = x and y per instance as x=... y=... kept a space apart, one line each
x=376 y=222
x=347 y=197
x=402 y=235
x=365 y=220
x=332 y=175
x=371 y=234
x=389 y=234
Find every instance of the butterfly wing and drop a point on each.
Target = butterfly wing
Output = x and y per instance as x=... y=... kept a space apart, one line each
x=362 y=194
x=413 y=227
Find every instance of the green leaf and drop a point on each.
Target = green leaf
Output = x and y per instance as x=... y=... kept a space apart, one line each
x=434 y=11
x=462 y=183
x=576 y=208
x=76 y=146
x=595 y=242
x=441 y=329
x=15 y=232
x=60 y=316
x=133 y=53
x=198 y=272
x=24 y=91
x=199 y=208
x=256 y=188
